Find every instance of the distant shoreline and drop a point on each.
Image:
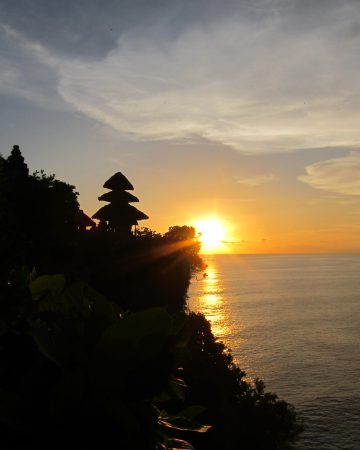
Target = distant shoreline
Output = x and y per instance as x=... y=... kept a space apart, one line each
x=280 y=254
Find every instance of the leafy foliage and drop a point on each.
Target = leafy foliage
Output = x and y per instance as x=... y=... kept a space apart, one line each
x=96 y=346
x=242 y=411
x=149 y=269
x=38 y=220
x=73 y=361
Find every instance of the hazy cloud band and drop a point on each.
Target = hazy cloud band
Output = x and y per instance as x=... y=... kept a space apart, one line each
x=260 y=77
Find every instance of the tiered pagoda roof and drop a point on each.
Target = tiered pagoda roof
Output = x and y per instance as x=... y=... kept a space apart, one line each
x=118 y=215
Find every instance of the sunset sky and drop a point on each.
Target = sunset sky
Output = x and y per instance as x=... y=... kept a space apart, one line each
x=248 y=111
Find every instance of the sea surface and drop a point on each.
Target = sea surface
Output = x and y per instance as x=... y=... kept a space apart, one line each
x=293 y=321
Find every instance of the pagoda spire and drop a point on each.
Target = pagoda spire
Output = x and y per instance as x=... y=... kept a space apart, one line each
x=118 y=215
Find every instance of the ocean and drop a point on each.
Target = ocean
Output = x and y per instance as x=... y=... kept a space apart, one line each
x=293 y=321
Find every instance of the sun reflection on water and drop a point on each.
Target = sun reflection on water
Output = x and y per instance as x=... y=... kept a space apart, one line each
x=210 y=301
x=216 y=298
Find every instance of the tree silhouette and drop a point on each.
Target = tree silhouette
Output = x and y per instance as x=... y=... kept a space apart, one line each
x=75 y=365
x=38 y=217
x=118 y=216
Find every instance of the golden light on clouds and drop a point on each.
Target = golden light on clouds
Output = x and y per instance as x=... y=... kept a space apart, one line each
x=273 y=149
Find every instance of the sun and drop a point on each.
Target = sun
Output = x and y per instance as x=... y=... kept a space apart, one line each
x=212 y=234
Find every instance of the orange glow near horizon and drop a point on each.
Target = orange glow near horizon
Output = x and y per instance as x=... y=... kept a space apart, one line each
x=212 y=234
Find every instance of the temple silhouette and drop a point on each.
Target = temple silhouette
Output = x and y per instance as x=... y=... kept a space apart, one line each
x=119 y=216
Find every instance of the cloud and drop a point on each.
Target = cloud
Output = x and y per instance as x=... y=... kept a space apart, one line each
x=23 y=73
x=258 y=76
x=221 y=83
x=334 y=200
x=90 y=29
x=232 y=242
x=85 y=28
x=340 y=175
x=256 y=180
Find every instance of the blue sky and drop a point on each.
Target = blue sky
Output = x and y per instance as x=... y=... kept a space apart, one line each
x=242 y=108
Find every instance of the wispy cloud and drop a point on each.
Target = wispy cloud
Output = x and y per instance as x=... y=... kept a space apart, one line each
x=260 y=77
x=221 y=83
x=230 y=242
x=341 y=175
x=334 y=200
x=28 y=71
x=256 y=180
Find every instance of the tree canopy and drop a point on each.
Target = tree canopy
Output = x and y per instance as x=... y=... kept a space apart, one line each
x=38 y=212
x=97 y=347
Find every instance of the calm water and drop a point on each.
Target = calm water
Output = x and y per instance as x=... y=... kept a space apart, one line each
x=293 y=321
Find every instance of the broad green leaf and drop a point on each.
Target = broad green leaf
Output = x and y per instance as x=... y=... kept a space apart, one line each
x=98 y=303
x=150 y=346
x=146 y=330
x=40 y=286
x=178 y=444
x=178 y=388
x=178 y=381
x=73 y=297
x=191 y=412
x=51 y=341
x=182 y=424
